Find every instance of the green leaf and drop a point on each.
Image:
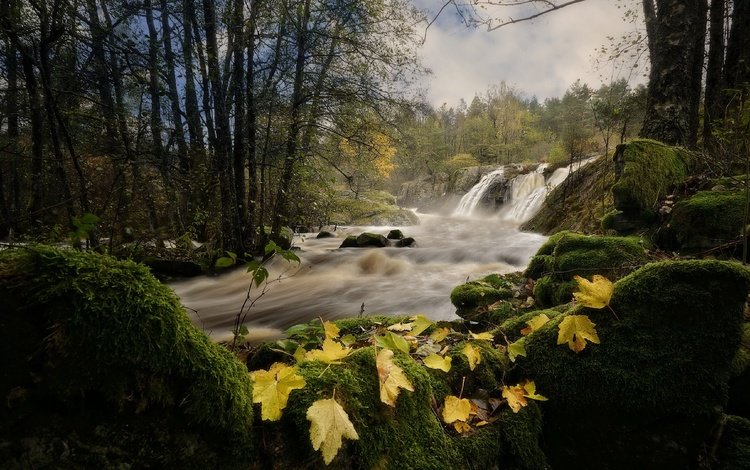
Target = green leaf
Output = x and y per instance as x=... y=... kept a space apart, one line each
x=290 y=256
x=89 y=219
x=260 y=275
x=232 y=255
x=224 y=262
x=271 y=247
x=243 y=330
x=253 y=265
x=393 y=341
x=517 y=349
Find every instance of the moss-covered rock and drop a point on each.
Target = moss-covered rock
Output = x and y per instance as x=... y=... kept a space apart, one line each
x=369 y=239
x=569 y=254
x=408 y=436
x=733 y=452
x=645 y=171
x=707 y=219
x=471 y=296
x=101 y=359
x=406 y=242
x=649 y=392
x=739 y=385
x=395 y=234
x=325 y=234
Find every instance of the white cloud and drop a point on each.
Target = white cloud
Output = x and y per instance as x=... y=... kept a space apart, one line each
x=542 y=57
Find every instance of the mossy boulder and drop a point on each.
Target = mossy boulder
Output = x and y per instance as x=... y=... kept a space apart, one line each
x=645 y=172
x=368 y=239
x=395 y=234
x=100 y=359
x=470 y=297
x=406 y=242
x=569 y=254
x=739 y=385
x=411 y=434
x=707 y=219
x=651 y=390
x=733 y=452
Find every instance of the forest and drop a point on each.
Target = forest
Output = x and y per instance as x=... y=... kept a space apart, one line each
x=213 y=120
x=240 y=233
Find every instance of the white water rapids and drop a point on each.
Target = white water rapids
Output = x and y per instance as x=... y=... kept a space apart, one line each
x=334 y=283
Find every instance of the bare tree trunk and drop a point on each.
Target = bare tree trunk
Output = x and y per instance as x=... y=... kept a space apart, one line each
x=281 y=212
x=239 y=160
x=231 y=238
x=675 y=28
x=174 y=96
x=712 y=106
x=251 y=124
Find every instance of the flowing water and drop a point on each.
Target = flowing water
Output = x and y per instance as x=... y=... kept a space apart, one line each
x=333 y=283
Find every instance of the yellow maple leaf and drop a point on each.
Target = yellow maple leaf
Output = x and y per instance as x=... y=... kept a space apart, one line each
x=421 y=323
x=575 y=330
x=516 y=397
x=392 y=378
x=529 y=391
x=516 y=349
x=271 y=388
x=461 y=427
x=535 y=323
x=433 y=361
x=440 y=334
x=456 y=409
x=473 y=355
x=595 y=293
x=329 y=423
x=332 y=351
x=486 y=336
x=332 y=331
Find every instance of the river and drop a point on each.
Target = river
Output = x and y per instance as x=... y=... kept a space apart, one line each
x=332 y=282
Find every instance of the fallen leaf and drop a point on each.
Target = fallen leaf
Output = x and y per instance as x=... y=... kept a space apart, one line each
x=515 y=396
x=332 y=351
x=575 y=330
x=486 y=336
x=393 y=341
x=529 y=389
x=535 y=323
x=433 y=361
x=348 y=340
x=332 y=331
x=400 y=327
x=461 y=427
x=271 y=388
x=392 y=378
x=594 y=294
x=329 y=423
x=456 y=409
x=517 y=348
x=299 y=354
x=473 y=355
x=421 y=323
x=440 y=334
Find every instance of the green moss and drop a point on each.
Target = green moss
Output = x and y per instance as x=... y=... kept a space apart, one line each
x=708 y=219
x=468 y=297
x=741 y=361
x=675 y=334
x=408 y=436
x=734 y=447
x=550 y=291
x=567 y=254
x=113 y=333
x=512 y=327
x=646 y=171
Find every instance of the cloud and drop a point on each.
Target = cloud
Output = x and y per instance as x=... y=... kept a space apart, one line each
x=540 y=58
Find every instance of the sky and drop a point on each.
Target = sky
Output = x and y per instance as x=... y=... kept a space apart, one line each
x=541 y=58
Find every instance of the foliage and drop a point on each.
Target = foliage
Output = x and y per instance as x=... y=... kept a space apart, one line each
x=329 y=423
x=595 y=293
x=576 y=330
x=271 y=389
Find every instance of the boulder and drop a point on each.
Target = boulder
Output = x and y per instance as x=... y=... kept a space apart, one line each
x=567 y=254
x=406 y=242
x=395 y=234
x=650 y=391
x=369 y=239
x=162 y=267
x=472 y=298
x=325 y=234
x=706 y=220
x=103 y=369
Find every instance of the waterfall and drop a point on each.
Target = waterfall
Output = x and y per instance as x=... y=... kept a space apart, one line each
x=526 y=195
x=470 y=200
x=528 y=192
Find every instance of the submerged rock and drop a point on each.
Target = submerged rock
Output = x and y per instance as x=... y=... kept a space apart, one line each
x=395 y=234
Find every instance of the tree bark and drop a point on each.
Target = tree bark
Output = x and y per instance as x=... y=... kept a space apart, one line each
x=715 y=68
x=675 y=29
x=174 y=96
